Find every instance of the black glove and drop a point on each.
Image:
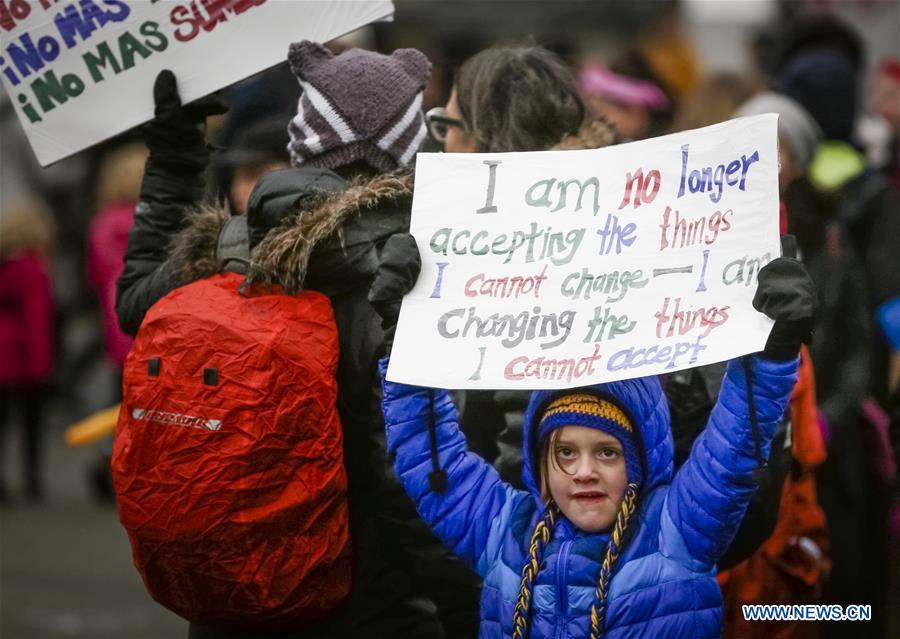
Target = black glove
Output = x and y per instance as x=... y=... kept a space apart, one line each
x=177 y=133
x=398 y=270
x=786 y=293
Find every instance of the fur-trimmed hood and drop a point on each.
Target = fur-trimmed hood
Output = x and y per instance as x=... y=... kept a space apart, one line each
x=327 y=239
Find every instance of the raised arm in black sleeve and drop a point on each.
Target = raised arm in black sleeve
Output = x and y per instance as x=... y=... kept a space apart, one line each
x=173 y=182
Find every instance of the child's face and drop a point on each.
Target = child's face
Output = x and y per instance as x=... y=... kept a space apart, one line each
x=586 y=476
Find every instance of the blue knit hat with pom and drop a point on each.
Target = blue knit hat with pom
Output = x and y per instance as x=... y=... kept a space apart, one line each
x=591 y=411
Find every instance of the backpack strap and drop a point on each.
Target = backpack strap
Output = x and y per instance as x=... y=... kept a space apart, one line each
x=233 y=246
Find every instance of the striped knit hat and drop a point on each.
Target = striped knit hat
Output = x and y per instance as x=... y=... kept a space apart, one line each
x=358 y=105
x=591 y=411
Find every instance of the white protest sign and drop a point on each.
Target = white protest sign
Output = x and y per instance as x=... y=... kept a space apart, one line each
x=81 y=71
x=564 y=268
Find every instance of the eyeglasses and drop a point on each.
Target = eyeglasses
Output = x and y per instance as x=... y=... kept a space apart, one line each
x=439 y=122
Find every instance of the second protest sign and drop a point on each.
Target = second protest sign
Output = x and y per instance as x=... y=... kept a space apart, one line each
x=81 y=71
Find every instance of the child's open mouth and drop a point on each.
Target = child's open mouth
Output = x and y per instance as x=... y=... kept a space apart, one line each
x=589 y=496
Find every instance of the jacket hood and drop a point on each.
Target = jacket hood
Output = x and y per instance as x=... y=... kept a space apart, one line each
x=643 y=401
x=322 y=239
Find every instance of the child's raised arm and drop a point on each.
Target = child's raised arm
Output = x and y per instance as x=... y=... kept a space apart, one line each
x=711 y=491
x=463 y=507
x=475 y=499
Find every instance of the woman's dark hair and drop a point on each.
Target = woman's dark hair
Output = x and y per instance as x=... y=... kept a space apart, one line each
x=518 y=99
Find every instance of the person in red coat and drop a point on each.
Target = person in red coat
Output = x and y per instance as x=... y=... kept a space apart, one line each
x=26 y=330
x=118 y=188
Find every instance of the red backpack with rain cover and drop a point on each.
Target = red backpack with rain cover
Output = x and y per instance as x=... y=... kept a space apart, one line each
x=228 y=460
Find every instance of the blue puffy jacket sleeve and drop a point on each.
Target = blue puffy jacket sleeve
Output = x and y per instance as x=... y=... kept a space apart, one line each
x=710 y=493
x=463 y=516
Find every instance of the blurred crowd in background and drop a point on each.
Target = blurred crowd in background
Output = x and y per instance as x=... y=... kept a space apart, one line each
x=649 y=68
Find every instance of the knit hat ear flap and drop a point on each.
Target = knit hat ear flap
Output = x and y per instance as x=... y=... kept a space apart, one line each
x=302 y=53
x=414 y=62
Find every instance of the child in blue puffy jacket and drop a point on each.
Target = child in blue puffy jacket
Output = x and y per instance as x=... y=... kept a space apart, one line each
x=604 y=541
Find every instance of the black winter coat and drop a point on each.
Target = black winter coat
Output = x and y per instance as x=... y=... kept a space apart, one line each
x=401 y=572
